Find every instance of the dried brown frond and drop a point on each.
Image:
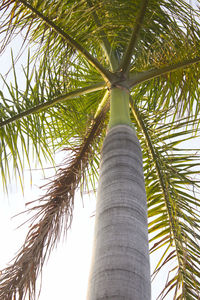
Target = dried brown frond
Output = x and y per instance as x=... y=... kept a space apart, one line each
x=52 y=219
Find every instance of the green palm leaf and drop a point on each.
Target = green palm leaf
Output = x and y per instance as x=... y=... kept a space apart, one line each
x=172 y=196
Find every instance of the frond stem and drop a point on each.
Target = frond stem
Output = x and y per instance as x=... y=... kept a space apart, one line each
x=102 y=104
x=160 y=174
x=105 y=42
x=52 y=218
x=141 y=77
x=42 y=106
x=132 y=43
x=106 y=74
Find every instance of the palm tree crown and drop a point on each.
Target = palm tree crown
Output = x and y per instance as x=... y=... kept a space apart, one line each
x=149 y=49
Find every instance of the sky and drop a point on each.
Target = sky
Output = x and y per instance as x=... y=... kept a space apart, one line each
x=67 y=270
x=65 y=275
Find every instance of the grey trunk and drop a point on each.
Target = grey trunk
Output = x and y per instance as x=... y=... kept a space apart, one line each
x=120 y=265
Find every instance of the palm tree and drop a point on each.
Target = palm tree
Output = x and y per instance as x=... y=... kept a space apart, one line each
x=108 y=68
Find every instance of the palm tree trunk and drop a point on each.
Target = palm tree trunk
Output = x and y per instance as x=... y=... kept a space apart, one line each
x=120 y=266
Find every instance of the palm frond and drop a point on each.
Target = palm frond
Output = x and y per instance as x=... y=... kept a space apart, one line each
x=172 y=193
x=76 y=20
x=105 y=42
x=52 y=218
x=36 y=119
x=140 y=77
x=175 y=85
x=44 y=105
x=134 y=37
x=27 y=14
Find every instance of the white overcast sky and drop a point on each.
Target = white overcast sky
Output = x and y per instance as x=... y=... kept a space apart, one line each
x=67 y=270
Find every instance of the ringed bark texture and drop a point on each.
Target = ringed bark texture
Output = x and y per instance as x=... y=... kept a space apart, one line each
x=120 y=266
